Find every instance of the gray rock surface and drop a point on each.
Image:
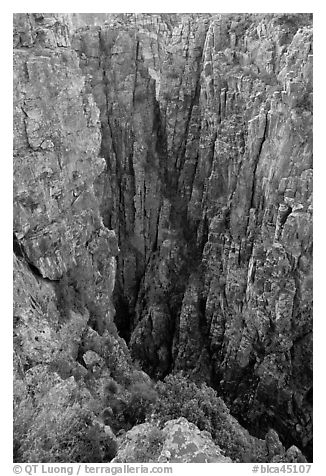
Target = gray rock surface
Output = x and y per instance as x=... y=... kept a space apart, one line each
x=207 y=130
x=163 y=181
x=178 y=442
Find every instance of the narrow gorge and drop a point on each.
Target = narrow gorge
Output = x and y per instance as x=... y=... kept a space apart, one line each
x=163 y=237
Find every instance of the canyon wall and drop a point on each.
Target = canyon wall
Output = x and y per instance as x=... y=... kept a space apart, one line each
x=64 y=257
x=207 y=132
x=163 y=181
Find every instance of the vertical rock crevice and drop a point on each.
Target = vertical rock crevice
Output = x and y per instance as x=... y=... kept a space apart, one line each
x=203 y=123
x=223 y=124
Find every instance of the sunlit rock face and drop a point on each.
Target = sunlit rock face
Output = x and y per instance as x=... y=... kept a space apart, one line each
x=163 y=167
x=178 y=442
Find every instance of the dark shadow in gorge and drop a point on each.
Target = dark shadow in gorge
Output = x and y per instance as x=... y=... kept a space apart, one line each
x=123 y=318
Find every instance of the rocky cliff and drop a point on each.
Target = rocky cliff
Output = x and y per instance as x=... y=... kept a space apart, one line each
x=163 y=185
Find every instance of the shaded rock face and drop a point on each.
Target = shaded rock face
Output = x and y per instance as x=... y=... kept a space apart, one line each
x=163 y=171
x=206 y=130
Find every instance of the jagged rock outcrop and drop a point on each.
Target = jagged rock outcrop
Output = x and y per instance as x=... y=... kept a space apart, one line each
x=168 y=159
x=178 y=442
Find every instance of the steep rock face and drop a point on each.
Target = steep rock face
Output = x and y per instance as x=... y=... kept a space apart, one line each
x=64 y=262
x=206 y=130
x=120 y=62
x=57 y=225
x=204 y=125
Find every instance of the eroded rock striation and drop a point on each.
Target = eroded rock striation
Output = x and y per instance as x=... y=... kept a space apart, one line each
x=163 y=181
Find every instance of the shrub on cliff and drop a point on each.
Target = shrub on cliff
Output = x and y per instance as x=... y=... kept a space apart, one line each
x=117 y=358
x=70 y=436
x=108 y=417
x=178 y=396
x=72 y=292
x=23 y=416
x=111 y=387
x=149 y=449
x=113 y=414
x=140 y=403
x=126 y=407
